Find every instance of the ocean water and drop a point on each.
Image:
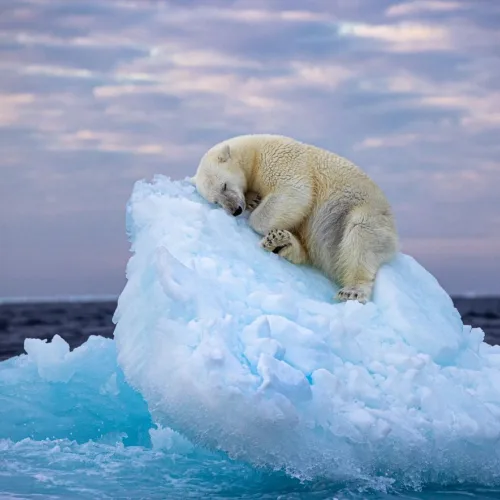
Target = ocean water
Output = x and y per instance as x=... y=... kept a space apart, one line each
x=231 y=374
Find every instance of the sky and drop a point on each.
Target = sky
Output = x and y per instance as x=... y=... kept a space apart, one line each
x=96 y=95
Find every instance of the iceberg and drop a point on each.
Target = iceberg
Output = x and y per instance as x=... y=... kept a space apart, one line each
x=243 y=352
x=234 y=373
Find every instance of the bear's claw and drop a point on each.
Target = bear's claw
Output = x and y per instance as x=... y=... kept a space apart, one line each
x=252 y=200
x=353 y=293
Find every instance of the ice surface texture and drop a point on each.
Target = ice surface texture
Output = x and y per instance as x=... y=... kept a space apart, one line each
x=241 y=351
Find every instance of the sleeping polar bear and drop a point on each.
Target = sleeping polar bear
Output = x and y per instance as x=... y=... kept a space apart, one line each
x=312 y=206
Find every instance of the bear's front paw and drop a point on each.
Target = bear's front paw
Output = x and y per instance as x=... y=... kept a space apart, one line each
x=276 y=240
x=252 y=200
x=358 y=293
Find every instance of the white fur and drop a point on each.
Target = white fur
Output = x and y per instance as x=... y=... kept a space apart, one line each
x=311 y=205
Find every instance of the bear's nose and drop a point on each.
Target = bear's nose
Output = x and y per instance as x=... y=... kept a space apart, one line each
x=237 y=212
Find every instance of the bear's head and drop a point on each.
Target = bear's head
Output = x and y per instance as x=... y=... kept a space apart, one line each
x=221 y=180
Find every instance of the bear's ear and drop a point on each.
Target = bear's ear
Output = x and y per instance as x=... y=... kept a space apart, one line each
x=224 y=154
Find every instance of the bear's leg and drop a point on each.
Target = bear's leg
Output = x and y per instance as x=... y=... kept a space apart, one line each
x=285 y=244
x=285 y=210
x=368 y=242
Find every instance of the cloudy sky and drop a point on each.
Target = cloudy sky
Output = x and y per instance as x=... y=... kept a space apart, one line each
x=95 y=95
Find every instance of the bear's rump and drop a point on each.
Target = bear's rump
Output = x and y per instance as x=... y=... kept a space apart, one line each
x=324 y=230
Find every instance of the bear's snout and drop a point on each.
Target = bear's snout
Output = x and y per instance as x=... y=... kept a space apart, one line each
x=232 y=202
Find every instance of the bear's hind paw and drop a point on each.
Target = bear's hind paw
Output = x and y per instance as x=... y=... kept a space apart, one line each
x=359 y=293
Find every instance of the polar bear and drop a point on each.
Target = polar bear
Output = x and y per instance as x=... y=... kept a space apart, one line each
x=310 y=205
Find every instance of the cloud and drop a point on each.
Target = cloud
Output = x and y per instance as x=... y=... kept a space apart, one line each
x=423 y=6
x=11 y=105
x=95 y=95
x=402 y=37
x=395 y=141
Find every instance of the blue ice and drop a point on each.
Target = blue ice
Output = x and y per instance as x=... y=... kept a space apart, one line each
x=227 y=354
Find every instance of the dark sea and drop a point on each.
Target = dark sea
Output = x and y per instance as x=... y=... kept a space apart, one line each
x=48 y=448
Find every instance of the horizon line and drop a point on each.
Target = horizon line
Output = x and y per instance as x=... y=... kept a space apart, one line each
x=58 y=298
x=72 y=298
